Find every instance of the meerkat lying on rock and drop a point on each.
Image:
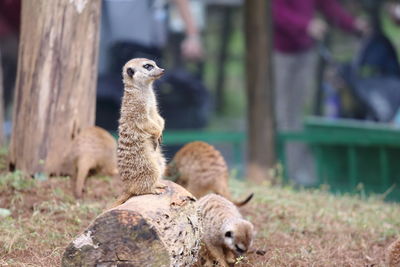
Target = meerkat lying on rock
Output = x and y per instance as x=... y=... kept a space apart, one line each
x=140 y=160
x=226 y=235
x=201 y=169
x=93 y=149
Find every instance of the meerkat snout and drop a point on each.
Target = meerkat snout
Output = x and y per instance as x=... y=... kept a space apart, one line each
x=239 y=236
x=158 y=72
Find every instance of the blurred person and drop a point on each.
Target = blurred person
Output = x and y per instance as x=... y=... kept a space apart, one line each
x=393 y=9
x=296 y=30
x=10 y=13
x=138 y=28
x=142 y=24
x=191 y=46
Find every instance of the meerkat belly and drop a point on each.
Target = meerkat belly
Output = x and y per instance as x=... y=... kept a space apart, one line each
x=136 y=158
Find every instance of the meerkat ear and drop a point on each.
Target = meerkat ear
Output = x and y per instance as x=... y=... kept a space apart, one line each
x=228 y=234
x=130 y=72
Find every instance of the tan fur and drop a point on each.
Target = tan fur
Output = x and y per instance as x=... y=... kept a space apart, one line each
x=226 y=234
x=140 y=160
x=93 y=149
x=393 y=254
x=201 y=169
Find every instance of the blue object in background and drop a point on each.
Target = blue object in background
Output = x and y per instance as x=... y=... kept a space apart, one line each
x=331 y=101
x=396 y=120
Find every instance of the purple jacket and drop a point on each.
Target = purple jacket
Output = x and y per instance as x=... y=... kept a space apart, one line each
x=291 y=18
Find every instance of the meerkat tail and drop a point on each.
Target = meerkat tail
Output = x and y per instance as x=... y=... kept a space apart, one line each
x=243 y=202
x=224 y=192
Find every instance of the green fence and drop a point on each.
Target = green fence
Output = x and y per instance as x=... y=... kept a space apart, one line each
x=351 y=155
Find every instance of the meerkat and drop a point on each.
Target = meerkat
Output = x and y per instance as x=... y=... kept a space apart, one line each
x=93 y=149
x=140 y=160
x=201 y=169
x=393 y=254
x=226 y=235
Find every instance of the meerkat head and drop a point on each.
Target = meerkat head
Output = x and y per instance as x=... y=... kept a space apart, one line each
x=140 y=72
x=238 y=236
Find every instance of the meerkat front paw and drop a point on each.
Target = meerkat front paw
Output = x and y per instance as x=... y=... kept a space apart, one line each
x=160 y=185
x=154 y=129
x=161 y=122
x=159 y=188
x=160 y=139
x=157 y=142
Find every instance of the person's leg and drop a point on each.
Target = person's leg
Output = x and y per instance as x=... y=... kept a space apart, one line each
x=282 y=80
x=302 y=161
x=294 y=80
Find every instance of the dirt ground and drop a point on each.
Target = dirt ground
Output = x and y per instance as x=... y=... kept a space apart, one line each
x=294 y=228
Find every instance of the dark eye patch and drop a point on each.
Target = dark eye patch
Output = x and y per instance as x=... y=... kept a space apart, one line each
x=148 y=67
x=228 y=234
x=130 y=72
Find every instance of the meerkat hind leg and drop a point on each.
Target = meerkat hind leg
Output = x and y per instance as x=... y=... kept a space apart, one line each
x=84 y=165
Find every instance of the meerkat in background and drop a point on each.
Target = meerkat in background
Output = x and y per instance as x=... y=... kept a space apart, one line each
x=140 y=160
x=93 y=149
x=201 y=169
x=226 y=235
x=393 y=254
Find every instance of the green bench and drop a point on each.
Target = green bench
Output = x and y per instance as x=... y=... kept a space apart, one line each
x=349 y=153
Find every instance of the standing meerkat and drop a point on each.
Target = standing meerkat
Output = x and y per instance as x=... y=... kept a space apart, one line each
x=226 y=235
x=393 y=254
x=140 y=160
x=93 y=149
x=201 y=169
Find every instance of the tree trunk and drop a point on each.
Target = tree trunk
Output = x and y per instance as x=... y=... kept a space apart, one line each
x=2 y=134
x=147 y=230
x=56 y=80
x=223 y=53
x=260 y=111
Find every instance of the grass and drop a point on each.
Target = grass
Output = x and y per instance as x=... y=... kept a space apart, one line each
x=294 y=227
x=45 y=217
x=316 y=228
x=16 y=181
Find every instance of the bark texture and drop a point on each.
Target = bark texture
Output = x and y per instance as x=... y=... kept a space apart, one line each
x=56 y=81
x=147 y=230
x=260 y=115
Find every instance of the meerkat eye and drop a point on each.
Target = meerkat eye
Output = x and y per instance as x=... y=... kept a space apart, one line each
x=130 y=72
x=148 y=67
x=228 y=234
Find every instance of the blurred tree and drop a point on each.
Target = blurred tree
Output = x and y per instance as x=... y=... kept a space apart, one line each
x=56 y=81
x=226 y=31
x=260 y=116
x=2 y=135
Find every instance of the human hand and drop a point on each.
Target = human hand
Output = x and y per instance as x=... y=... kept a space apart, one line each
x=192 y=48
x=317 y=28
x=394 y=12
x=362 y=26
